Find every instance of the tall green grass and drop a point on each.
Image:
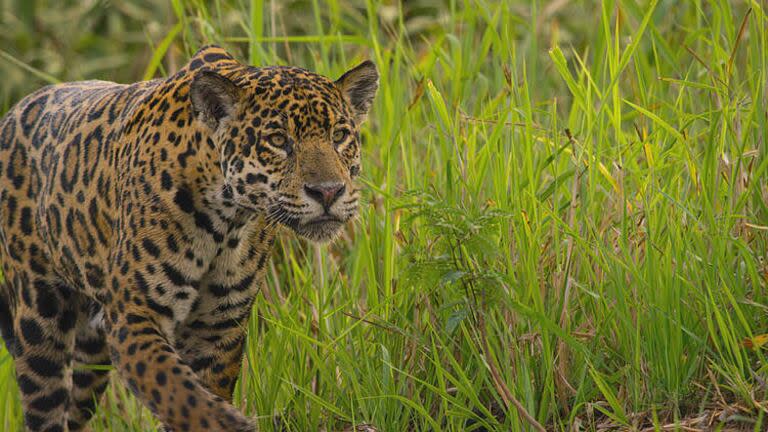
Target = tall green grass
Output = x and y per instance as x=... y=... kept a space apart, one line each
x=567 y=218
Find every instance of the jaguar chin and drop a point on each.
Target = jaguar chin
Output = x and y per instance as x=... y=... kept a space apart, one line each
x=318 y=229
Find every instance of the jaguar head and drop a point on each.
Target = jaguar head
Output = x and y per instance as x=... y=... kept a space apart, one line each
x=289 y=140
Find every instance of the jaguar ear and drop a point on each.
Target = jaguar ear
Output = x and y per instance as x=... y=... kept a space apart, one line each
x=213 y=97
x=359 y=86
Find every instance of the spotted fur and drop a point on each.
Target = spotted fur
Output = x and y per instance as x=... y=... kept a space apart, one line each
x=136 y=221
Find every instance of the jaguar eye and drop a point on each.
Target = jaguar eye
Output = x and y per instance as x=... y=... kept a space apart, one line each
x=278 y=140
x=339 y=136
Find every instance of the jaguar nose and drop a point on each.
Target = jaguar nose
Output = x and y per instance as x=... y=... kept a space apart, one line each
x=325 y=193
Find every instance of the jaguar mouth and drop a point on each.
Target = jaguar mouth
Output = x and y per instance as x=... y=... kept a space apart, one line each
x=326 y=218
x=320 y=229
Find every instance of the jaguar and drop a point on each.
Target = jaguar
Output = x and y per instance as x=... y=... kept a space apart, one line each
x=136 y=221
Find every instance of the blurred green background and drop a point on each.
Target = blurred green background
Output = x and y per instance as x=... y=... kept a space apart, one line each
x=567 y=219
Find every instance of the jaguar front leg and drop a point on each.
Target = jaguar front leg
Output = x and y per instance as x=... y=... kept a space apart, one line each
x=151 y=294
x=215 y=355
x=154 y=371
x=211 y=340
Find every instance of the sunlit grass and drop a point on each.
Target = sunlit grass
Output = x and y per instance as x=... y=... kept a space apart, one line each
x=567 y=219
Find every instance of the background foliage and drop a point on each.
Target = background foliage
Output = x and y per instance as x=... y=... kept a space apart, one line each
x=567 y=219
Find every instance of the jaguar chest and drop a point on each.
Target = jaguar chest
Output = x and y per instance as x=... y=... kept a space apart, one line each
x=233 y=276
